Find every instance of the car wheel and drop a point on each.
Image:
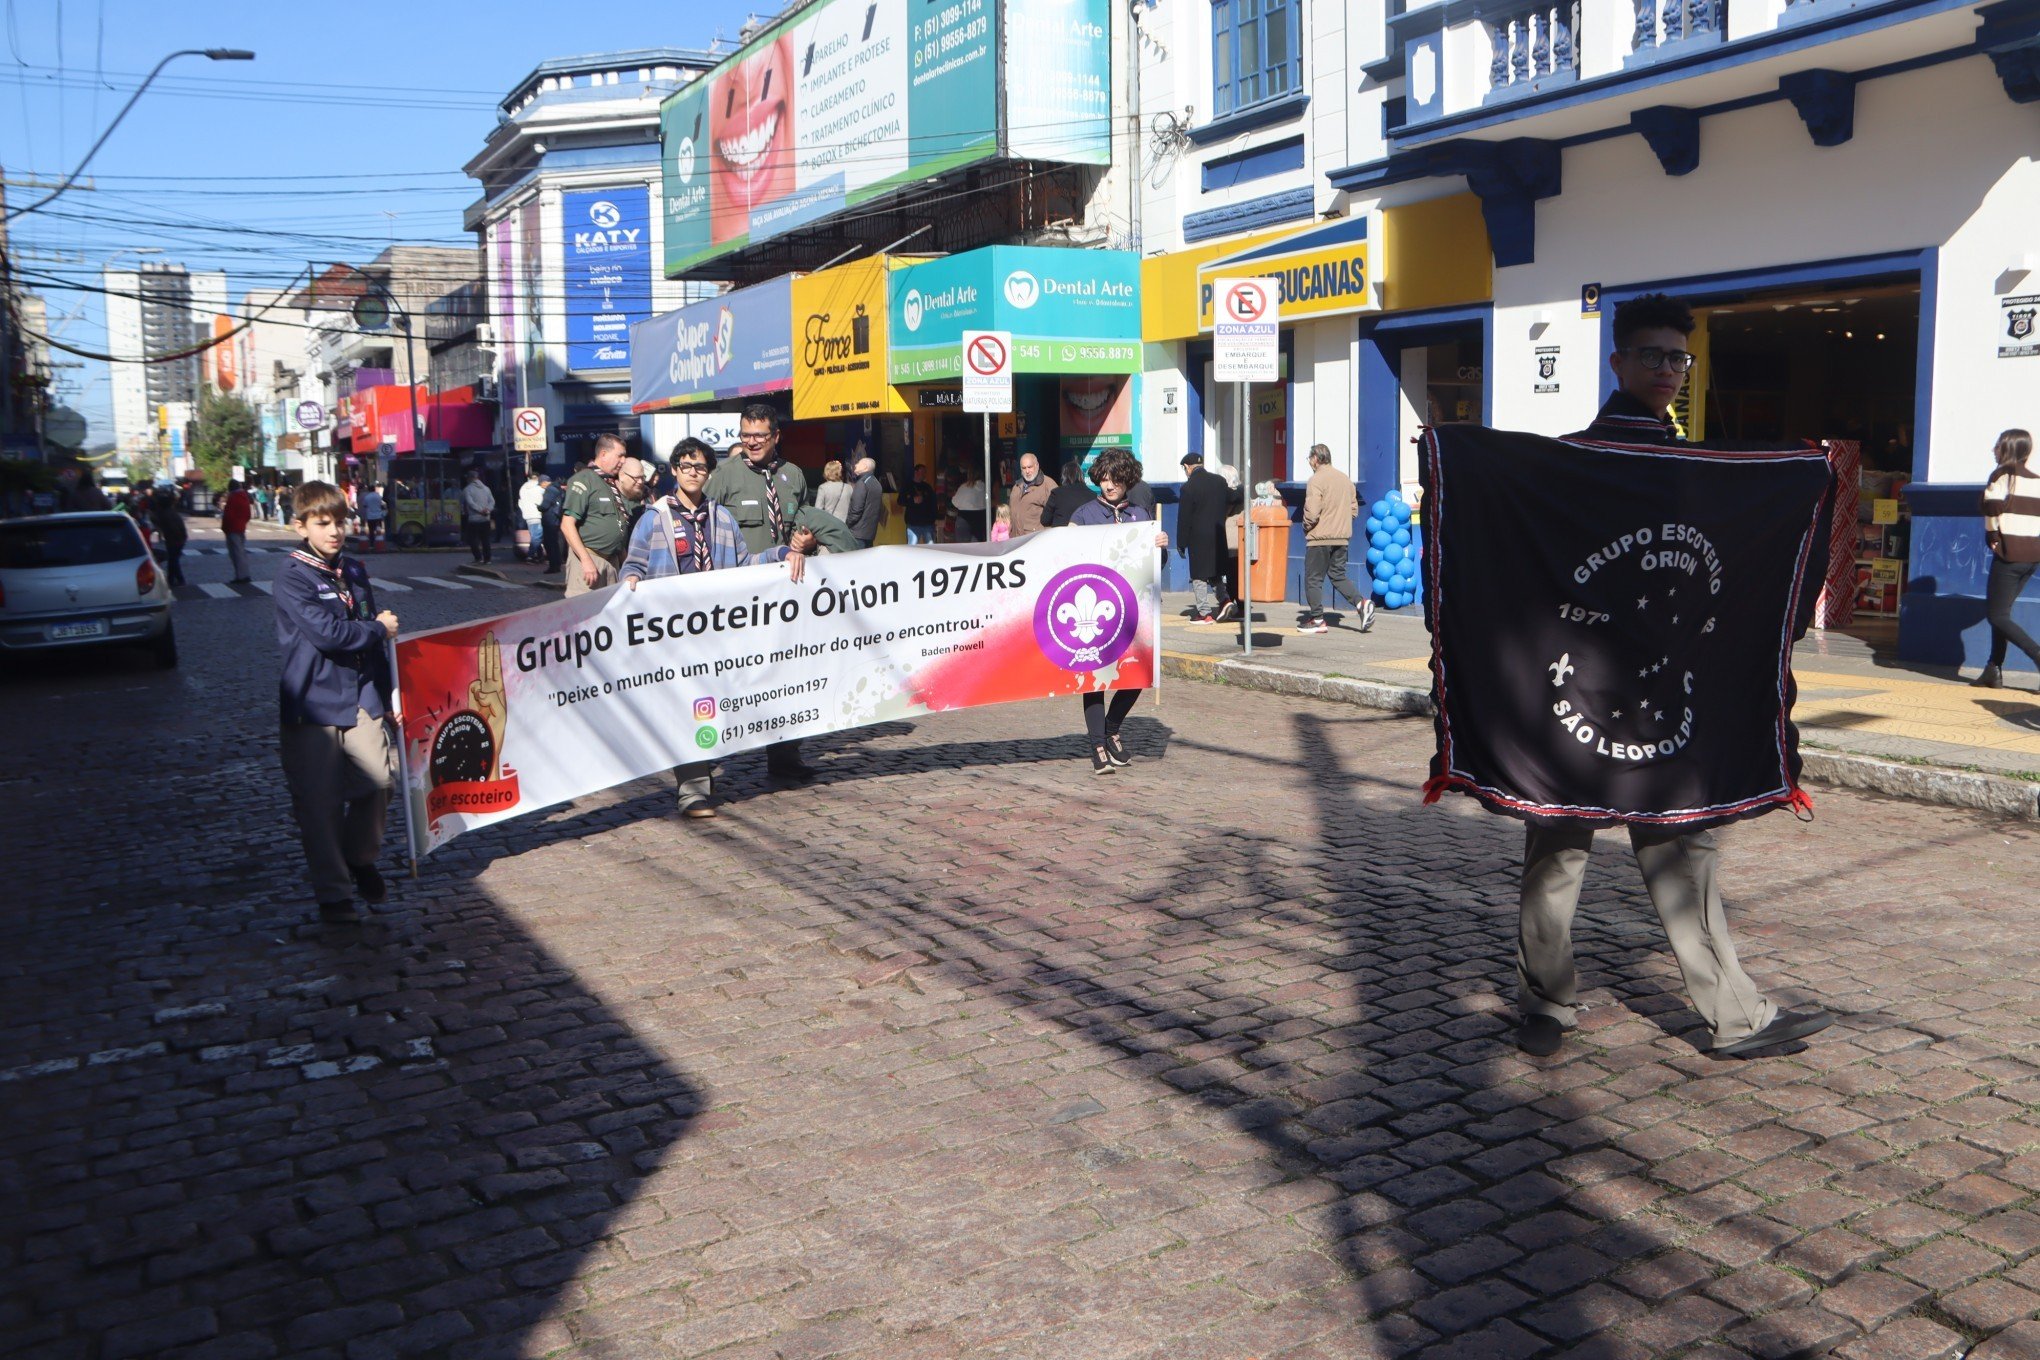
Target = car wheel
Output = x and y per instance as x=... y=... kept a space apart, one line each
x=410 y=535
x=165 y=649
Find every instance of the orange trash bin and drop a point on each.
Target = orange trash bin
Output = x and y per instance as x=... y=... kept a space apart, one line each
x=1271 y=560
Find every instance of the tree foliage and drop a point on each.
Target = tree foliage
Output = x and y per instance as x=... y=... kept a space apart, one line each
x=226 y=432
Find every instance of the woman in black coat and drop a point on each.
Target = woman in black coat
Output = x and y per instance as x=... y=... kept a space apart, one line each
x=1201 y=510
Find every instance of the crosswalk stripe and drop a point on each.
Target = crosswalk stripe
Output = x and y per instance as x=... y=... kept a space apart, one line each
x=397 y=586
x=266 y=587
x=218 y=591
x=491 y=581
x=441 y=582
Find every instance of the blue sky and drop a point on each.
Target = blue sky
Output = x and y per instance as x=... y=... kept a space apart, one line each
x=347 y=132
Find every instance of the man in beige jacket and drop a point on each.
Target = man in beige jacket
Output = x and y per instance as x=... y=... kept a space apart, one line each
x=1329 y=509
x=1029 y=497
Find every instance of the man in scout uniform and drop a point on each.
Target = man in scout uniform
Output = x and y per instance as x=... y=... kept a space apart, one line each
x=594 y=522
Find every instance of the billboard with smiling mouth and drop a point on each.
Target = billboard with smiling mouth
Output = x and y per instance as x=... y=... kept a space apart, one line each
x=847 y=100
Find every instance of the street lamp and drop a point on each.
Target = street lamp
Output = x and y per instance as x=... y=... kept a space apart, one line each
x=209 y=53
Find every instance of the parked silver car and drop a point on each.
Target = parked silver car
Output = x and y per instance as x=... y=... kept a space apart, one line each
x=81 y=580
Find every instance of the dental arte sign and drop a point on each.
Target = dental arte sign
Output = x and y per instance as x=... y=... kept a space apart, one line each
x=736 y=345
x=607 y=248
x=1069 y=311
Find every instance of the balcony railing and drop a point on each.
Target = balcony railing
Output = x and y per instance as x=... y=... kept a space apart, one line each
x=1662 y=24
x=1532 y=44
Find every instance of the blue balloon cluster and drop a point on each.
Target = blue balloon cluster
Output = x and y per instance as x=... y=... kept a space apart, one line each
x=1392 y=551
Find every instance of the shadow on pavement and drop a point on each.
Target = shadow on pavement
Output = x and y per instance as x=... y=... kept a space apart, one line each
x=230 y=1128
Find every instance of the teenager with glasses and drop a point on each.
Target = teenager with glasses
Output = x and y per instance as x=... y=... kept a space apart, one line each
x=687 y=532
x=1679 y=868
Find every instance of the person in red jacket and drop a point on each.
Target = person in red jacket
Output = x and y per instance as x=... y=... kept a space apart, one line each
x=234 y=515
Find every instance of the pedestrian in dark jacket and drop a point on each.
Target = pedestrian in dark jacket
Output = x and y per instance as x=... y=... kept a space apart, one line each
x=1115 y=472
x=169 y=520
x=339 y=751
x=917 y=508
x=1069 y=493
x=867 y=502
x=550 y=504
x=1201 y=510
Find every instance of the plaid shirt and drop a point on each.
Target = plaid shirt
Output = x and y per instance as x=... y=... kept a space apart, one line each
x=652 y=550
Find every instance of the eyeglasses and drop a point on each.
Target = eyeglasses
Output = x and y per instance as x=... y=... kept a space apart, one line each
x=690 y=467
x=1650 y=356
x=757 y=436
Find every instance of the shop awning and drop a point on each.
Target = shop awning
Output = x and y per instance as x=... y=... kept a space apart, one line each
x=1070 y=310
x=737 y=345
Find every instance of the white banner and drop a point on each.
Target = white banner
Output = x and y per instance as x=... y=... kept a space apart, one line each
x=523 y=711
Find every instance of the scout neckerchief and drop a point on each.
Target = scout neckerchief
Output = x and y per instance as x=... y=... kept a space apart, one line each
x=697 y=530
x=1116 y=506
x=337 y=573
x=778 y=516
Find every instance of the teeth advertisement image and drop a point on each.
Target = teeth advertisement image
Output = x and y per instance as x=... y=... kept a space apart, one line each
x=848 y=99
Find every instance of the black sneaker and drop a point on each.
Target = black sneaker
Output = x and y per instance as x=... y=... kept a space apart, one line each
x=795 y=772
x=1115 y=751
x=339 y=913
x=368 y=881
x=1101 y=761
x=1788 y=1027
x=1540 y=1036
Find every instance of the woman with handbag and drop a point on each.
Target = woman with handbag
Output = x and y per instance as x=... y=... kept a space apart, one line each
x=2011 y=526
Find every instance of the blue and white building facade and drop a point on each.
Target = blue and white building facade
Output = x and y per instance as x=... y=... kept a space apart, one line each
x=1849 y=190
x=569 y=226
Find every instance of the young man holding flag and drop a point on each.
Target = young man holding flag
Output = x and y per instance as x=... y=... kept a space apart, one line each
x=1650 y=363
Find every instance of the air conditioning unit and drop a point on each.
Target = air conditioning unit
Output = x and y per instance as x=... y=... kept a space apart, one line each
x=488 y=389
x=485 y=334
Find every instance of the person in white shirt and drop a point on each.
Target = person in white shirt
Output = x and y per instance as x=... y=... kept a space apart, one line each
x=478 y=511
x=968 y=503
x=528 y=497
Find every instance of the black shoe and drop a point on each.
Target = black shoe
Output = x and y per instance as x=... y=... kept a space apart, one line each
x=798 y=772
x=1540 y=1036
x=1993 y=677
x=1115 y=751
x=368 y=881
x=1228 y=611
x=1101 y=761
x=339 y=913
x=1788 y=1026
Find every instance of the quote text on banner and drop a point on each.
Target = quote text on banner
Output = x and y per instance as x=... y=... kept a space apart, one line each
x=508 y=715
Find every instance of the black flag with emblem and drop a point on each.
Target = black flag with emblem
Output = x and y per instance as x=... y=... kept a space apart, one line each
x=1612 y=624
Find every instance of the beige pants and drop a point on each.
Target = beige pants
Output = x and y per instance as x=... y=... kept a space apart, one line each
x=577 y=581
x=340 y=780
x=1679 y=870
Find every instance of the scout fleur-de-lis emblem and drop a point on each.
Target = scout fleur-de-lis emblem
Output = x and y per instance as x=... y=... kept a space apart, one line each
x=1561 y=670
x=1087 y=615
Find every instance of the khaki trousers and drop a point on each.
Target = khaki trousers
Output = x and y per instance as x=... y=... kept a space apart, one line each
x=577 y=583
x=1679 y=871
x=340 y=780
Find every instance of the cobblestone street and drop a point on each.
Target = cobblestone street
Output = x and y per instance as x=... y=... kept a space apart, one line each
x=961 y=1051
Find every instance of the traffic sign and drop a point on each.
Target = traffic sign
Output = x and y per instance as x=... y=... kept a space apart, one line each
x=528 y=425
x=1246 y=332
x=310 y=415
x=988 y=372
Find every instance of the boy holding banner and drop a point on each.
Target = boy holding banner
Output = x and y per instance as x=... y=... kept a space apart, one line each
x=339 y=753
x=687 y=532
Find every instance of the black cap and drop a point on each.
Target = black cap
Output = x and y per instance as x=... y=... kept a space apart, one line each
x=1190 y=458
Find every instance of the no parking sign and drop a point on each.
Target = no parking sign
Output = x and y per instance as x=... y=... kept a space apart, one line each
x=988 y=372
x=1246 y=330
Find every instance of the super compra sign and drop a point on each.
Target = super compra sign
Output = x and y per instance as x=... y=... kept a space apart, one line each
x=1323 y=272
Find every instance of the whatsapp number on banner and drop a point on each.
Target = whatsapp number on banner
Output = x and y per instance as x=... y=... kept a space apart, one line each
x=528 y=710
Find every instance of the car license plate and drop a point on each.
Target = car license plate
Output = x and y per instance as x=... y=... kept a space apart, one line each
x=60 y=632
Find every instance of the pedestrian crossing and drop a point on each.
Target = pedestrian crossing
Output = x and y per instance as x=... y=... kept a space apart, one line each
x=242 y=590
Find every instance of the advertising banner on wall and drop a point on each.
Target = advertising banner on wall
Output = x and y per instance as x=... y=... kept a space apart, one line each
x=527 y=710
x=1320 y=272
x=1070 y=311
x=1059 y=81
x=503 y=236
x=842 y=102
x=606 y=245
x=839 y=332
x=736 y=345
x=530 y=297
x=1097 y=413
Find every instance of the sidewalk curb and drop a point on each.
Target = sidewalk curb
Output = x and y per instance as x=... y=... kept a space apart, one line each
x=1936 y=785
